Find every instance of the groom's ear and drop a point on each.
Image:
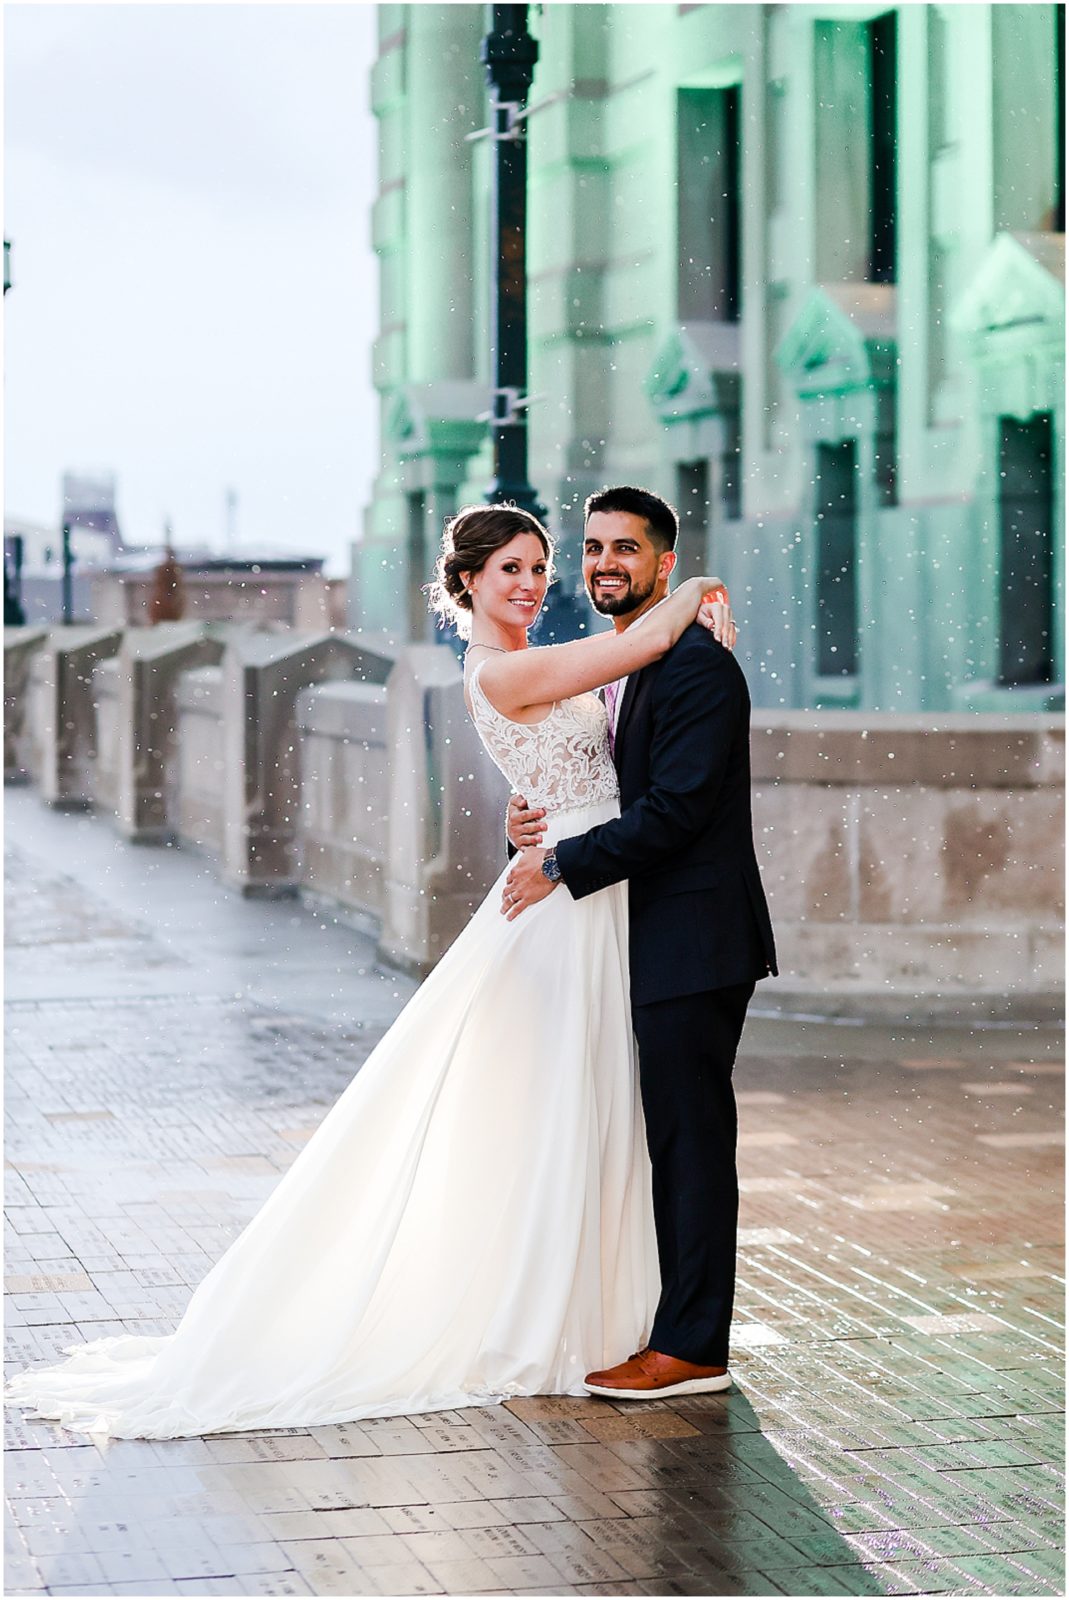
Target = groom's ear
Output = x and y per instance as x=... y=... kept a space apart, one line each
x=666 y=565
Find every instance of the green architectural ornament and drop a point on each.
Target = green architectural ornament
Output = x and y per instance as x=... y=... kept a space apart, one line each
x=1011 y=320
x=400 y=427
x=694 y=373
x=843 y=338
x=443 y=419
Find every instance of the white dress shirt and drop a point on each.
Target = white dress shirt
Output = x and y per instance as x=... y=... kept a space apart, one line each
x=614 y=700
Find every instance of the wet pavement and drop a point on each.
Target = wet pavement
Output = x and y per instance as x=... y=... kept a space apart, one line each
x=897 y=1422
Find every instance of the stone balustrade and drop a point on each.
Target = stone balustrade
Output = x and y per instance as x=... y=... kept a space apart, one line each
x=20 y=647
x=446 y=807
x=912 y=865
x=398 y=803
x=262 y=677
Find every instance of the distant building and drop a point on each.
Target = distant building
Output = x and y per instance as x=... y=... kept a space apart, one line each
x=800 y=268
x=35 y=553
x=36 y=550
x=89 y=508
x=289 y=592
x=112 y=580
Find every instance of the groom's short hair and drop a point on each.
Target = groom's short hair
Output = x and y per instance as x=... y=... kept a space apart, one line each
x=661 y=518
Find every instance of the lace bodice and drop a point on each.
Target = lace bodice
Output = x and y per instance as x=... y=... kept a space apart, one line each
x=562 y=762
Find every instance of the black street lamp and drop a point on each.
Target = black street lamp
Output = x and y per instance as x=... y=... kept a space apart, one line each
x=68 y=564
x=18 y=556
x=14 y=612
x=509 y=54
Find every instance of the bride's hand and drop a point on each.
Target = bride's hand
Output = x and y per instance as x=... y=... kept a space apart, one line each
x=715 y=614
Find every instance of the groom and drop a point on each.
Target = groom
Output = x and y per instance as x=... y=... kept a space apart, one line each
x=700 y=932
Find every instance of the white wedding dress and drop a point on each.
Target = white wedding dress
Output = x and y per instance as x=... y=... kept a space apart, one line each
x=472 y=1220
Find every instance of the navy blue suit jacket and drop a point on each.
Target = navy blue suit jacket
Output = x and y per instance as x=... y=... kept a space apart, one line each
x=684 y=839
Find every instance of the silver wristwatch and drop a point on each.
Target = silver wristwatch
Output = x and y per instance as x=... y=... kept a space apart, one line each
x=551 y=866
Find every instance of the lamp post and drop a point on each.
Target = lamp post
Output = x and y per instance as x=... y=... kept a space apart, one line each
x=509 y=54
x=18 y=556
x=68 y=562
x=14 y=614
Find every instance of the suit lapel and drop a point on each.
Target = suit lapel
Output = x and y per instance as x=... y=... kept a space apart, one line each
x=626 y=705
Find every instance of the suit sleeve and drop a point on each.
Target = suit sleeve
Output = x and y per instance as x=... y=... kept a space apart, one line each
x=698 y=698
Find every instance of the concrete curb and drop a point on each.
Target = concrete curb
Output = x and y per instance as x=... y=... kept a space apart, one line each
x=960 y=1008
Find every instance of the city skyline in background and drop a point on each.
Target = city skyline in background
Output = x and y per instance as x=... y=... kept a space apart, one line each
x=194 y=291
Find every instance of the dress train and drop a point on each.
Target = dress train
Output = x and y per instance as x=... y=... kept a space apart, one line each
x=471 y=1221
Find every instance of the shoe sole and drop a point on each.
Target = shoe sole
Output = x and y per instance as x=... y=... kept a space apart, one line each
x=664 y=1391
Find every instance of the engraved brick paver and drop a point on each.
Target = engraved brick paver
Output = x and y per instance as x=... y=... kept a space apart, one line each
x=897 y=1422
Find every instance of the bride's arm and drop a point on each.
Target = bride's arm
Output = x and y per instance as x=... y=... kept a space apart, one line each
x=556 y=671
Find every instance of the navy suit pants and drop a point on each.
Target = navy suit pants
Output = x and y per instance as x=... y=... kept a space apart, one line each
x=686 y=1053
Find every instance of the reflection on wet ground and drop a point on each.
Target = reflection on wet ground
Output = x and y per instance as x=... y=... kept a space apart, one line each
x=896 y=1423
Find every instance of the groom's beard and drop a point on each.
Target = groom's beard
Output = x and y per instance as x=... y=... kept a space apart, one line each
x=622 y=601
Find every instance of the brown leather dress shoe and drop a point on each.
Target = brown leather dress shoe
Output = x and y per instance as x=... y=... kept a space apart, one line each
x=651 y=1376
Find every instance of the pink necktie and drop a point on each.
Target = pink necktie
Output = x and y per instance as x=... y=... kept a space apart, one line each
x=611 y=691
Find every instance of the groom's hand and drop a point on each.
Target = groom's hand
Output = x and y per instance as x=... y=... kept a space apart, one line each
x=526 y=824
x=526 y=884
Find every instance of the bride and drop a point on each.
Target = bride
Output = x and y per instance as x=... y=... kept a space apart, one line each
x=472 y=1220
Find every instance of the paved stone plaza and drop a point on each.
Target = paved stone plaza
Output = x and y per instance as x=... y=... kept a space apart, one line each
x=896 y=1426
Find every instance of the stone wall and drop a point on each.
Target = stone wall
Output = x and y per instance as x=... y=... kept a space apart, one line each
x=912 y=865
x=905 y=856
x=344 y=793
x=20 y=647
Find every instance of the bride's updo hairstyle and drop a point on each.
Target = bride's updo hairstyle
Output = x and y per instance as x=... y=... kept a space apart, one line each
x=469 y=540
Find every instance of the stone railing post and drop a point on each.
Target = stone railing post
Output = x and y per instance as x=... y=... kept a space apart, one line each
x=150 y=662
x=65 y=731
x=446 y=809
x=104 y=767
x=193 y=780
x=262 y=676
x=20 y=647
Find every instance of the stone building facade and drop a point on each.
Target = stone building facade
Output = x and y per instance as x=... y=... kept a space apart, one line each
x=800 y=268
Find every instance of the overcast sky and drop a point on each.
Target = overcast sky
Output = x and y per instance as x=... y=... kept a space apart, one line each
x=188 y=190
